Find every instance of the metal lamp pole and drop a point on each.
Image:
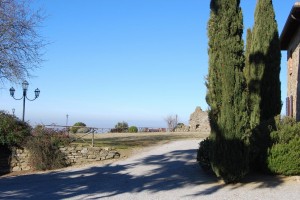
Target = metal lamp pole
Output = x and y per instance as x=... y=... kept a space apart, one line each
x=25 y=87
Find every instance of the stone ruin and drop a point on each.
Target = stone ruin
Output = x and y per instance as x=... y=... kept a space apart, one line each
x=198 y=122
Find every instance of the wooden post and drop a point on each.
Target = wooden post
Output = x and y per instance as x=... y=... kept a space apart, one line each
x=93 y=139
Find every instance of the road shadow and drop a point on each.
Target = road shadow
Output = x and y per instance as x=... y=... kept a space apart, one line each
x=174 y=170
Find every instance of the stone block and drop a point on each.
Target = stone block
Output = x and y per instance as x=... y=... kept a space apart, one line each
x=16 y=169
x=91 y=157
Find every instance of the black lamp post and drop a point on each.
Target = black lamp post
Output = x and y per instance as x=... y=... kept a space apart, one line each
x=25 y=87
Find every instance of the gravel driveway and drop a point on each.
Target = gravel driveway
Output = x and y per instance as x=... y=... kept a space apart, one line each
x=168 y=171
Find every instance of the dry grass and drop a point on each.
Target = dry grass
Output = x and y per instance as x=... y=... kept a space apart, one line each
x=128 y=142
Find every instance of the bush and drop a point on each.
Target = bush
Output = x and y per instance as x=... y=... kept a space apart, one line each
x=284 y=158
x=284 y=155
x=77 y=126
x=12 y=130
x=203 y=154
x=44 y=148
x=132 y=129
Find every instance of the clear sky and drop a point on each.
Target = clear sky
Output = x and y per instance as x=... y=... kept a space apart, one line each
x=131 y=60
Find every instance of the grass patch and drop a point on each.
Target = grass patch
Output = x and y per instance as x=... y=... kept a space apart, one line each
x=129 y=141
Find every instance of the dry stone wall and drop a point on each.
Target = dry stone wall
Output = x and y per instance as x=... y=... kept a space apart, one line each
x=19 y=158
x=82 y=154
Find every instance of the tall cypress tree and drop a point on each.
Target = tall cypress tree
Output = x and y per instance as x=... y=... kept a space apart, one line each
x=264 y=61
x=227 y=93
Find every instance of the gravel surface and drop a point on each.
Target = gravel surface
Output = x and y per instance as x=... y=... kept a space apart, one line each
x=168 y=171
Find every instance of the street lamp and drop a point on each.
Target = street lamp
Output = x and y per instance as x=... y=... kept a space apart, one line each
x=25 y=87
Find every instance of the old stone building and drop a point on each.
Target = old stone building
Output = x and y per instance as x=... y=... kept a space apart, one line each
x=199 y=121
x=290 y=42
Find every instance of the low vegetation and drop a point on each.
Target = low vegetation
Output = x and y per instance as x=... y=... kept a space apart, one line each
x=43 y=145
x=132 y=129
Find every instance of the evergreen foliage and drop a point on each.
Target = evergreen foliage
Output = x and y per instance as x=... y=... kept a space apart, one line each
x=284 y=155
x=264 y=60
x=247 y=55
x=227 y=96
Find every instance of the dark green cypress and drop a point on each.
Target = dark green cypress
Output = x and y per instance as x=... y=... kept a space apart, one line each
x=214 y=91
x=227 y=91
x=247 y=73
x=264 y=60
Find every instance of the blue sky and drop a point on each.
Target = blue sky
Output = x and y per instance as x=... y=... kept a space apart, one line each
x=125 y=60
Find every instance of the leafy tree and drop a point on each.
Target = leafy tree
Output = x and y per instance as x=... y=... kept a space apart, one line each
x=227 y=94
x=264 y=60
x=20 y=42
x=121 y=126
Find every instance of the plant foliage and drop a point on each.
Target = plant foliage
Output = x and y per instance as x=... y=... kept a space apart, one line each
x=264 y=61
x=132 y=129
x=203 y=154
x=121 y=127
x=227 y=95
x=12 y=130
x=44 y=148
x=77 y=126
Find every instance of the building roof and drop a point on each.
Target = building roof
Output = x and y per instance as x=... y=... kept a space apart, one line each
x=290 y=27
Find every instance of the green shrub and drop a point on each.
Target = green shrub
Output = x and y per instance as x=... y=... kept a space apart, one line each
x=77 y=126
x=203 y=154
x=44 y=148
x=284 y=154
x=285 y=134
x=284 y=158
x=132 y=129
x=12 y=130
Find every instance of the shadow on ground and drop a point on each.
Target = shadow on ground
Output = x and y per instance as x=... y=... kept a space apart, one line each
x=174 y=170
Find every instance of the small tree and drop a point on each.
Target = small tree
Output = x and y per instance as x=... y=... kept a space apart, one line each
x=171 y=122
x=121 y=127
x=77 y=126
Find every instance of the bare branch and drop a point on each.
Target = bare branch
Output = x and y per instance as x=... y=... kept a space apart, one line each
x=20 y=43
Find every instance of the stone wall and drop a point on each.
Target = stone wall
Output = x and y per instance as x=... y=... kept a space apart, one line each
x=19 y=158
x=83 y=154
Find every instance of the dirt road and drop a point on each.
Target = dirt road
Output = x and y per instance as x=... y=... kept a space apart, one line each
x=168 y=171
